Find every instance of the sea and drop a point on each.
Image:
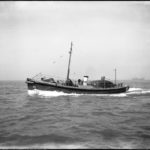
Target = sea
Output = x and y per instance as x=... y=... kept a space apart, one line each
x=56 y=120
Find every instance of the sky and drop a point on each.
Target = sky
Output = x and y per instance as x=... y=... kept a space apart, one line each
x=35 y=37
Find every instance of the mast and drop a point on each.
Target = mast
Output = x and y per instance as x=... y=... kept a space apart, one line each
x=115 y=75
x=70 y=52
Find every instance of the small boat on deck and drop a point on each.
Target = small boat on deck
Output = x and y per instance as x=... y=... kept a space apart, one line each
x=85 y=86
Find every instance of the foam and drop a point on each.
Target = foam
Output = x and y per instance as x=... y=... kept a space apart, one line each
x=134 y=89
x=50 y=93
x=146 y=92
x=46 y=146
x=119 y=95
x=110 y=95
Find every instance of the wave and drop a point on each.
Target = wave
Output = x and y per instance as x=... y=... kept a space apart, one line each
x=46 y=146
x=131 y=91
x=87 y=145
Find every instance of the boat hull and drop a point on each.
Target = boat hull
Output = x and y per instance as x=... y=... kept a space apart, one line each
x=32 y=85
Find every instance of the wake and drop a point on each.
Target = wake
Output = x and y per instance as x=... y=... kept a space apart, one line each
x=131 y=91
x=138 y=91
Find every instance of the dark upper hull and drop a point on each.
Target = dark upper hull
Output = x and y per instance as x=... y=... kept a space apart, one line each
x=70 y=89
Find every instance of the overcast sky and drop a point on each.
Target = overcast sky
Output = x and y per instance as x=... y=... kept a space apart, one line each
x=35 y=37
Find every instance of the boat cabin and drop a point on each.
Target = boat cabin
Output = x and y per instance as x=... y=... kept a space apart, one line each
x=103 y=83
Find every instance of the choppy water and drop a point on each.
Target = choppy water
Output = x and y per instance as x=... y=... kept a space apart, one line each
x=59 y=120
